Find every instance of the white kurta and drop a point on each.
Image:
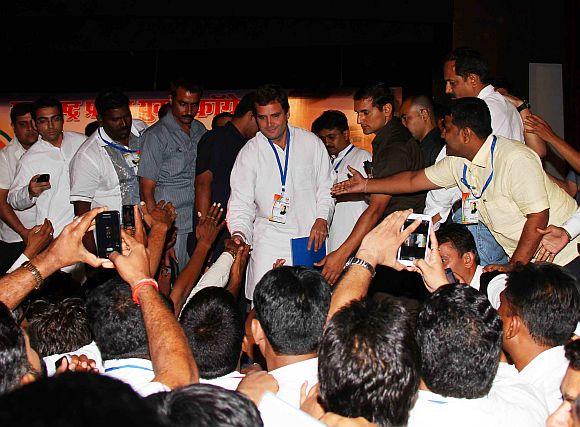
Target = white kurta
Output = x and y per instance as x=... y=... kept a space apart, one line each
x=53 y=203
x=349 y=207
x=254 y=180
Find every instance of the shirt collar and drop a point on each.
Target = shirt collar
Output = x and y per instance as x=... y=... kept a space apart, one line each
x=488 y=90
x=342 y=153
x=483 y=156
x=134 y=131
x=171 y=122
x=544 y=363
x=289 y=371
x=475 y=281
x=18 y=148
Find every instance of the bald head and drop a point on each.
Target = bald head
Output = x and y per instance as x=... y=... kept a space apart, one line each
x=418 y=116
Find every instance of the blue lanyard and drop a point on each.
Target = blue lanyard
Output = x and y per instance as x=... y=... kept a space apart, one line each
x=464 y=179
x=340 y=161
x=116 y=146
x=283 y=173
x=114 y=368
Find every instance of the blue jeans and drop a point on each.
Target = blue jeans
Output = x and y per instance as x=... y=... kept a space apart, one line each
x=489 y=251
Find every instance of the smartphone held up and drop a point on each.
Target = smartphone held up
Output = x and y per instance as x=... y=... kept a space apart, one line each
x=416 y=245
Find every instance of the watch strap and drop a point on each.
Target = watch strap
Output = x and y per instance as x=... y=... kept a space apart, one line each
x=362 y=263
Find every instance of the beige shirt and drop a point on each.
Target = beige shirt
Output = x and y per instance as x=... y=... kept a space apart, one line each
x=519 y=187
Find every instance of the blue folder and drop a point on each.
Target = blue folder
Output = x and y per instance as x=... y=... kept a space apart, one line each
x=302 y=256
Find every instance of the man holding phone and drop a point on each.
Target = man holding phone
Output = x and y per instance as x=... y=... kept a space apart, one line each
x=50 y=155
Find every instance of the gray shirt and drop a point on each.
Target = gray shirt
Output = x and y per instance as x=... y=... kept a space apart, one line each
x=168 y=157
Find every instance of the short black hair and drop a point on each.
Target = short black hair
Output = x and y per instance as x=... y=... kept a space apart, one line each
x=59 y=327
x=268 y=93
x=330 y=119
x=91 y=400
x=368 y=362
x=13 y=359
x=460 y=336
x=292 y=304
x=186 y=84
x=572 y=351
x=246 y=104
x=163 y=110
x=379 y=92
x=460 y=237
x=91 y=128
x=472 y=113
x=20 y=109
x=116 y=321
x=109 y=99
x=547 y=300
x=219 y=116
x=469 y=61
x=46 y=102
x=206 y=405
x=214 y=327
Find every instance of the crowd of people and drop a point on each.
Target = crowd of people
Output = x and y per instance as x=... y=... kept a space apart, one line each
x=203 y=317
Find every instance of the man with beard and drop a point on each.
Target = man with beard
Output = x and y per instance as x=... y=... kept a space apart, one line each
x=168 y=155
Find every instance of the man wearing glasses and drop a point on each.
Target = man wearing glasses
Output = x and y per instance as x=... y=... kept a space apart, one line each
x=50 y=156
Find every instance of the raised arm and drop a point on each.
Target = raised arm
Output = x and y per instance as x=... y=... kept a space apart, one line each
x=173 y=362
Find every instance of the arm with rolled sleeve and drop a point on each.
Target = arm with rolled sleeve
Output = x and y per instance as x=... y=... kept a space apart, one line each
x=84 y=178
x=572 y=226
x=325 y=181
x=241 y=206
x=18 y=196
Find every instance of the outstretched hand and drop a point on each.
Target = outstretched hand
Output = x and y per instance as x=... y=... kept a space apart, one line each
x=162 y=214
x=209 y=226
x=553 y=241
x=538 y=126
x=381 y=244
x=38 y=238
x=355 y=184
x=133 y=264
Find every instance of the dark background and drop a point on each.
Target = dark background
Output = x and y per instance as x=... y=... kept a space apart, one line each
x=313 y=47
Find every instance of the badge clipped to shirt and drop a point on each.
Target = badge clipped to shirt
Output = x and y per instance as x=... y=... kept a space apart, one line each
x=280 y=208
x=469 y=212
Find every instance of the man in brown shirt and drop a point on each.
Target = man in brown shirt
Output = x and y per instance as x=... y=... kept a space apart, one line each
x=394 y=150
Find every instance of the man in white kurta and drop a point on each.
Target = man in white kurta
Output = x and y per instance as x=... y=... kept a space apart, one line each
x=258 y=175
x=52 y=155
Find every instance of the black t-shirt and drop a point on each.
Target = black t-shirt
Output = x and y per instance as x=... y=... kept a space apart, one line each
x=217 y=152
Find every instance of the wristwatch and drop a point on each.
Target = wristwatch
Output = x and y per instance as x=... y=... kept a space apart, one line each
x=523 y=106
x=357 y=261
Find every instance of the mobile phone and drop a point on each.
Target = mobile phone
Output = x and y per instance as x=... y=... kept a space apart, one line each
x=108 y=231
x=368 y=167
x=450 y=276
x=128 y=217
x=415 y=246
x=45 y=177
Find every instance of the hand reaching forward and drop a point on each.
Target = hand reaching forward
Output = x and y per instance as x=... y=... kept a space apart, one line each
x=38 y=238
x=381 y=244
x=318 y=234
x=208 y=227
x=133 y=264
x=538 y=126
x=356 y=184
x=162 y=214
x=554 y=240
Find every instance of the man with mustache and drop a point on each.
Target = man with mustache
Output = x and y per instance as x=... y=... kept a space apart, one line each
x=104 y=170
x=168 y=156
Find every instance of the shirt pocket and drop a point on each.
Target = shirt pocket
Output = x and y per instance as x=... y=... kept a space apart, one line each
x=303 y=178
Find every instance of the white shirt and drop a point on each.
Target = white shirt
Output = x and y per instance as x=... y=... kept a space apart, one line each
x=229 y=381
x=255 y=179
x=53 y=203
x=291 y=377
x=92 y=175
x=136 y=372
x=9 y=157
x=349 y=207
x=277 y=413
x=510 y=402
x=505 y=121
x=545 y=373
x=572 y=226
x=474 y=283
x=90 y=350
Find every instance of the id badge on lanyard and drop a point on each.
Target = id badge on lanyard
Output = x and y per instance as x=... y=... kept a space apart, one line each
x=281 y=202
x=469 y=212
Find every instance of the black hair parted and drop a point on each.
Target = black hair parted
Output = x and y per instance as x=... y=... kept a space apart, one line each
x=187 y=84
x=116 y=321
x=214 y=327
x=20 y=109
x=460 y=335
x=269 y=93
x=291 y=305
x=46 y=102
x=547 y=299
x=368 y=362
x=472 y=113
x=379 y=92
x=246 y=104
x=330 y=119
x=200 y=405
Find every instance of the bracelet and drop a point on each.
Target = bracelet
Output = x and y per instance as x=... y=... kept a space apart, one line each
x=362 y=263
x=35 y=273
x=141 y=284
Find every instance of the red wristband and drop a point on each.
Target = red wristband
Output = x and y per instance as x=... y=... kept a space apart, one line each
x=140 y=284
